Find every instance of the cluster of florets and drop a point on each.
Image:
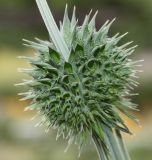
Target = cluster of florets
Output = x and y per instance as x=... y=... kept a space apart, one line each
x=78 y=96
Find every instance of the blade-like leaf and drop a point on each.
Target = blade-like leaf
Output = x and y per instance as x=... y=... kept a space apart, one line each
x=73 y=21
x=53 y=30
x=92 y=22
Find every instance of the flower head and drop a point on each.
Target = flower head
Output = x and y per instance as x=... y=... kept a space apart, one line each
x=76 y=96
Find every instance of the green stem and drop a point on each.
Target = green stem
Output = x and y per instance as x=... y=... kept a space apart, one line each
x=99 y=148
x=115 y=150
x=112 y=146
x=122 y=145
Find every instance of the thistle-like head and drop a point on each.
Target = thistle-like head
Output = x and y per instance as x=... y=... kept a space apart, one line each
x=88 y=88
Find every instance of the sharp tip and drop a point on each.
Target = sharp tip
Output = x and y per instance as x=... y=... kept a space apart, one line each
x=24 y=44
x=23 y=39
x=26 y=109
x=19 y=70
x=142 y=60
x=19 y=57
x=74 y=8
x=36 y=38
x=32 y=118
x=97 y=12
x=90 y=12
x=113 y=19
x=66 y=7
x=130 y=42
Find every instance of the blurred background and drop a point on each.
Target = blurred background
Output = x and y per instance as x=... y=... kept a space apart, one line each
x=19 y=139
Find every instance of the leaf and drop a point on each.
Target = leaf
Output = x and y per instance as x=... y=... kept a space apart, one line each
x=66 y=21
x=28 y=82
x=66 y=95
x=35 y=45
x=45 y=81
x=76 y=54
x=53 y=30
x=68 y=67
x=98 y=51
x=34 y=106
x=72 y=57
x=73 y=21
x=38 y=64
x=66 y=29
x=84 y=28
x=55 y=90
x=65 y=79
x=102 y=33
x=78 y=48
x=54 y=55
x=92 y=22
x=30 y=96
x=98 y=130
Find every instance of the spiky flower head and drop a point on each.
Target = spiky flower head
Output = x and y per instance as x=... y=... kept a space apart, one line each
x=80 y=94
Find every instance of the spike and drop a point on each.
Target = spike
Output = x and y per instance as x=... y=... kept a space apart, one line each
x=120 y=37
x=125 y=45
x=92 y=22
x=73 y=21
x=66 y=20
x=107 y=27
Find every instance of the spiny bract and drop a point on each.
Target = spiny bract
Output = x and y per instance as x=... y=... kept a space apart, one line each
x=90 y=89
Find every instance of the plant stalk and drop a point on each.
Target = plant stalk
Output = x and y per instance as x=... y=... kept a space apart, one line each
x=122 y=145
x=112 y=146
x=99 y=148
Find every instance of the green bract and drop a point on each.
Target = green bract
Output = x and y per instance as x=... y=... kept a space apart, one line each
x=83 y=96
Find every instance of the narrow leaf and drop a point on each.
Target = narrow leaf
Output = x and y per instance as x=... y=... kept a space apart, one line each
x=53 y=29
x=73 y=21
x=68 y=67
x=54 y=55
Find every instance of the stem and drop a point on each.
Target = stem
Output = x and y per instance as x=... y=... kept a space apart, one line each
x=101 y=153
x=122 y=145
x=115 y=150
x=112 y=146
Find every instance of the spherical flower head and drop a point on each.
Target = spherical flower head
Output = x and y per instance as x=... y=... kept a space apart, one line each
x=78 y=96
